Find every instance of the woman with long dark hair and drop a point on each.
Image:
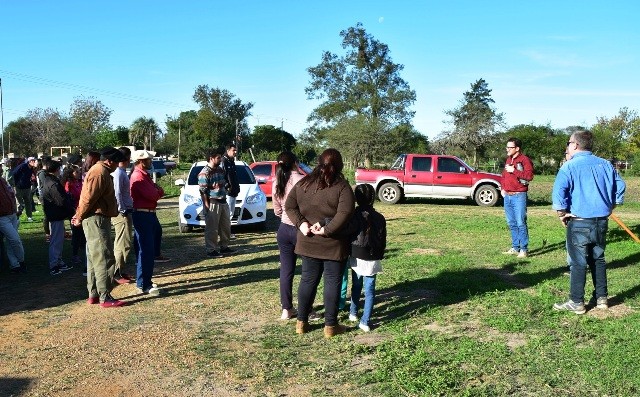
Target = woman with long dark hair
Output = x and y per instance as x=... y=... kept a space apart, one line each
x=320 y=206
x=287 y=175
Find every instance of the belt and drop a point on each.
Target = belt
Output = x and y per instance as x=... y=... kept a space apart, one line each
x=513 y=193
x=598 y=218
x=143 y=210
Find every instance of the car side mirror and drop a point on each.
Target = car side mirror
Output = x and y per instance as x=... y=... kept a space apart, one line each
x=180 y=182
x=463 y=170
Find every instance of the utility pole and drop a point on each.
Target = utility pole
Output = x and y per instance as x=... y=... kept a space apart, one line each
x=179 y=123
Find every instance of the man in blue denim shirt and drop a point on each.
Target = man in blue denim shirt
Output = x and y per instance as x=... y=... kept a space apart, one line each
x=585 y=191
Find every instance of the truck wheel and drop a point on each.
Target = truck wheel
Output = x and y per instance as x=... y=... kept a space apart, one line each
x=390 y=193
x=486 y=196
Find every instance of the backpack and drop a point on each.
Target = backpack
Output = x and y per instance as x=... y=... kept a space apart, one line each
x=371 y=233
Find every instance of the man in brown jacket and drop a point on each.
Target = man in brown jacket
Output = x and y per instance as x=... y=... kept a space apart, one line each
x=96 y=208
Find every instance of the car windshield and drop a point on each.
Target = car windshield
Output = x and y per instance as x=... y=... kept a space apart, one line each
x=399 y=163
x=245 y=176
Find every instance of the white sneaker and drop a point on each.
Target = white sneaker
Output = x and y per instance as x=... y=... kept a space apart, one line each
x=353 y=317
x=522 y=254
x=363 y=327
x=288 y=314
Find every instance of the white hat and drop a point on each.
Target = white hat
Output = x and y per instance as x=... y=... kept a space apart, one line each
x=141 y=155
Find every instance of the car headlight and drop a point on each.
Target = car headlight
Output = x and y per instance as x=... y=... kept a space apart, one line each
x=190 y=199
x=256 y=198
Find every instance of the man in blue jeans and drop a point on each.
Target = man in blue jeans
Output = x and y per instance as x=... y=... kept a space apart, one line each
x=585 y=191
x=517 y=173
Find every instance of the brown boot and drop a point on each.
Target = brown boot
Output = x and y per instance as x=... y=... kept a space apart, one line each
x=302 y=327
x=333 y=330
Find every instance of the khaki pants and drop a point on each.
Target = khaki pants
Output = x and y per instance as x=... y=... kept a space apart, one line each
x=123 y=226
x=217 y=224
x=100 y=259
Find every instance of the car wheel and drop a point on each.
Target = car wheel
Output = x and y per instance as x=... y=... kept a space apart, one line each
x=390 y=193
x=486 y=196
x=185 y=228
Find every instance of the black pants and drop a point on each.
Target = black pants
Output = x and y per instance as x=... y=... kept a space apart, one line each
x=312 y=271
x=286 y=237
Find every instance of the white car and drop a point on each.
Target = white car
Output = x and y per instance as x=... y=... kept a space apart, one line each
x=251 y=203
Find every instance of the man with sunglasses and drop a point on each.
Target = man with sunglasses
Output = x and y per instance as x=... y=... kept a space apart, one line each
x=517 y=173
x=585 y=191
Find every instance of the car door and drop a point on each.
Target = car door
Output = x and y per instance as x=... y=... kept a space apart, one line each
x=418 y=176
x=451 y=178
x=264 y=175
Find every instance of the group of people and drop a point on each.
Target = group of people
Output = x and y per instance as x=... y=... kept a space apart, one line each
x=320 y=223
x=586 y=190
x=90 y=195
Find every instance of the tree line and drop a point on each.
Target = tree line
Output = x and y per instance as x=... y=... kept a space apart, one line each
x=364 y=109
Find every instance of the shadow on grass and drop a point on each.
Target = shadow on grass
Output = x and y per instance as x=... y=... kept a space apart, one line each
x=14 y=386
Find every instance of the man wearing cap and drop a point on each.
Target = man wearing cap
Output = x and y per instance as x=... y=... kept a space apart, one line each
x=9 y=227
x=96 y=208
x=146 y=227
x=122 y=223
x=22 y=178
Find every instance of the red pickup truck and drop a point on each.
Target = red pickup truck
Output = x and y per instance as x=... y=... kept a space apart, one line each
x=434 y=176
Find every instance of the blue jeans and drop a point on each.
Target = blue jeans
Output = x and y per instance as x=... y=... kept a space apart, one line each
x=586 y=242
x=15 y=249
x=369 y=283
x=286 y=237
x=56 y=243
x=147 y=232
x=515 y=209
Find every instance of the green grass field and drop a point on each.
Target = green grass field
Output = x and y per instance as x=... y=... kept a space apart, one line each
x=453 y=317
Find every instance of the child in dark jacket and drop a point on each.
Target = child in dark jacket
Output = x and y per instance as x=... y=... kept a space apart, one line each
x=367 y=252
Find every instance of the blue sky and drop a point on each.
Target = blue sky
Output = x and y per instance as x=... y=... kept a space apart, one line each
x=548 y=62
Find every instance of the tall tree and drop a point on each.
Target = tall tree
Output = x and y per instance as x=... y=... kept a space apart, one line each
x=362 y=89
x=181 y=138
x=475 y=122
x=617 y=137
x=269 y=138
x=144 y=132
x=87 y=116
x=222 y=117
x=48 y=129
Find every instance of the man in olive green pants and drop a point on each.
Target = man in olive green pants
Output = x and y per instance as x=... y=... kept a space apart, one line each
x=96 y=208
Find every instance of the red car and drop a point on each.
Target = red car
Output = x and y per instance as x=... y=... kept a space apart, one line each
x=265 y=172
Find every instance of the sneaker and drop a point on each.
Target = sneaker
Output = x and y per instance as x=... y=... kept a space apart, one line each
x=353 y=318
x=111 y=302
x=577 y=308
x=313 y=316
x=16 y=270
x=154 y=290
x=64 y=267
x=161 y=259
x=364 y=327
x=512 y=251
x=55 y=271
x=522 y=254
x=288 y=314
x=93 y=300
x=214 y=254
x=601 y=303
x=227 y=250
